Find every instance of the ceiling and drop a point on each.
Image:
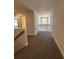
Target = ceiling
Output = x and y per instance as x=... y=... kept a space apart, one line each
x=42 y=6
x=20 y=7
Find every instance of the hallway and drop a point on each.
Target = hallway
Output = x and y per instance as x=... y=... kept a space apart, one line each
x=41 y=46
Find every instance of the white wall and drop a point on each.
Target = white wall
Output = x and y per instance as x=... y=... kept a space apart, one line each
x=35 y=20
x=30 y=23
x=58 y=25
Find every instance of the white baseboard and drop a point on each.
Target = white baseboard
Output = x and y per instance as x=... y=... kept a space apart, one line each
x=31 y=34
x=58 y=45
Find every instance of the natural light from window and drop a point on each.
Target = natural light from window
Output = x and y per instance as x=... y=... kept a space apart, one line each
x=44 y=24
x=15 y=22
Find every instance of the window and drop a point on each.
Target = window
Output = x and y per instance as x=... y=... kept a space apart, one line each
x=44 y=20
x=16 y=22
x=44 y=24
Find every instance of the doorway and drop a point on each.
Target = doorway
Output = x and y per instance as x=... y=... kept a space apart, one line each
x=44 y=24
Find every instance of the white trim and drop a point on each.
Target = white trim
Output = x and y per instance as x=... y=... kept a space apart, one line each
x=26 y=44
x=58 y=45
x=32 y=34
